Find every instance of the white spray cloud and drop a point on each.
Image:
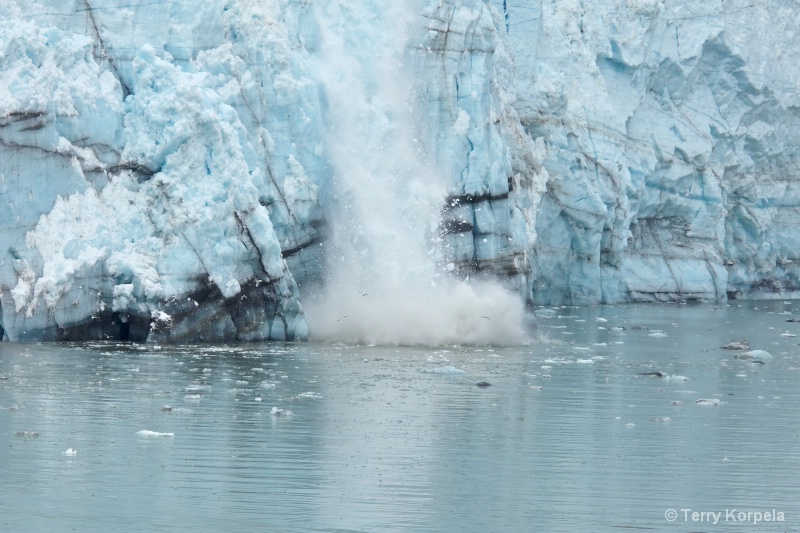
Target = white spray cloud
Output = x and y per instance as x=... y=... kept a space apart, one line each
x=384 y=284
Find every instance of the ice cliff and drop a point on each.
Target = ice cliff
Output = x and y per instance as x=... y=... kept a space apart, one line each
x=171 y=171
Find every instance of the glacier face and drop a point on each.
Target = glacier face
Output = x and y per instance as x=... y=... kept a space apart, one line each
x=169 y=170
x=671 y=132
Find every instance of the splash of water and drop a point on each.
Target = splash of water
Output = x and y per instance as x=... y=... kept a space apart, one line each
x=385 y=286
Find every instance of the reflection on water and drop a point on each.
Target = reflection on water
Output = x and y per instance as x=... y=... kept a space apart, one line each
x=570 y=436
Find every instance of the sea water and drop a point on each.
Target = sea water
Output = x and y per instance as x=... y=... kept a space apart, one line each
x=576 y=431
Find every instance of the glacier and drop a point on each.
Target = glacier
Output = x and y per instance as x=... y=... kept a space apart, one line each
x=175 y=172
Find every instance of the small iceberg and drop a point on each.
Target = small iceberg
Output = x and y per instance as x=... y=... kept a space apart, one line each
x=759 y=355
x=736 y=345
x=148 y=433
x=70 y=452
x=710 y=402
x=444 y=370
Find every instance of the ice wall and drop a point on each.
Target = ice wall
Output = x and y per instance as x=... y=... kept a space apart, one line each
x=168 y=169
x=157 y=163
x=671 y=133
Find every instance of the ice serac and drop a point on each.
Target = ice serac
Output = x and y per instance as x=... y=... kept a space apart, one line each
x=157 y=168
x=494 y=168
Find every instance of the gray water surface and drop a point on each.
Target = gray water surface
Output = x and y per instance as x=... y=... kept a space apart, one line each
x=570 y=436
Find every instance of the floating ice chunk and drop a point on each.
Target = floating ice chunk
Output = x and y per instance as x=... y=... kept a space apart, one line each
x=676 y=378
x=662 y=419
x=601 y=320
x=192 y=397
x=280 y=412
x=70 y=452
x=166 y=408
x=536 y=387
x=657 y=334
x=677 y=402
x=712 y=402
x=148 y=433
x=257 y=399
x=309 y=395
x=737 y=345
x=630 y=425
x=585 y=361
x=761 y=355
x=267 y=385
